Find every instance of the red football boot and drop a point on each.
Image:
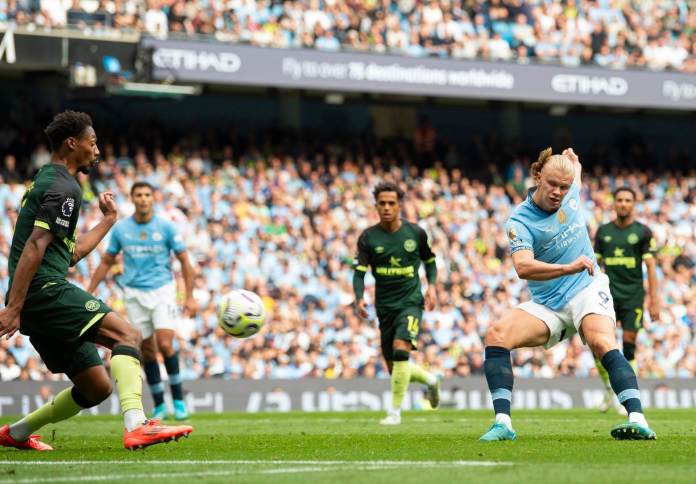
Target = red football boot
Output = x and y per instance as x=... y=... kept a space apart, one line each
x=32 y=443
x=152 y=432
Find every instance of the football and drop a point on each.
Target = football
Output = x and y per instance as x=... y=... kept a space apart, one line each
x=241 y=313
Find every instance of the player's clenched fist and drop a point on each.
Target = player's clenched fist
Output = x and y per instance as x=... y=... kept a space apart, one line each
x=362 y=308
x=579 y=265
x=107 y=205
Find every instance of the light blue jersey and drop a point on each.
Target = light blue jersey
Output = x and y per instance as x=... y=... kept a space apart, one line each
x=146 y=251
x=555 y=238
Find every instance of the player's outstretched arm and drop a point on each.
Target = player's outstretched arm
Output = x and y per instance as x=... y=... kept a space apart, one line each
x=529 y=268
x=100 y=273
x=87 y=242
x=576 y=163
x=29 y=261
x=187 y=272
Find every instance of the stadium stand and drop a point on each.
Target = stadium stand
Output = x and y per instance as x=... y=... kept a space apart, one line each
x=650 y=34
x=283 y=222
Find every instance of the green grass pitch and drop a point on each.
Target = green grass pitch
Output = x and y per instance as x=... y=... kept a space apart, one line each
x=439 y=446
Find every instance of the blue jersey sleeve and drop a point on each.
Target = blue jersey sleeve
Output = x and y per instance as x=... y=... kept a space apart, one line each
x=114 y=242
x=175 y=241
x=519 y=236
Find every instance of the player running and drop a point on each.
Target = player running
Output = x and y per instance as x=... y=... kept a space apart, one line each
x=62 y=321
x=394 y=248
x=621 y=246
x=551 y=249
x=147 y=242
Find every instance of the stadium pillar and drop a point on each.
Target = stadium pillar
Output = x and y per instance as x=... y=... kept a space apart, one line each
x=510 y=121
x=290 y=110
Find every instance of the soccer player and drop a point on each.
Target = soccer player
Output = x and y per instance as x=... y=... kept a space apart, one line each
x=62 y=321
x=621 y=246
x=394 y=249
x=551 y=249
x=147 y=242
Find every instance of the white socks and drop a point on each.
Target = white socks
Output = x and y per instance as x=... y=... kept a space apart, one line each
x=133 y=419
x=503 y=418
x=639 y=418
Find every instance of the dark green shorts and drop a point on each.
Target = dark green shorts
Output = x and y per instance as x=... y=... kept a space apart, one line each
x=630 y=314
x=402 y=324
x=61 y=321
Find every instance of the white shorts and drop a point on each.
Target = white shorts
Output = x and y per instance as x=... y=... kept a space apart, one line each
x=151 y=310
x=594 y=299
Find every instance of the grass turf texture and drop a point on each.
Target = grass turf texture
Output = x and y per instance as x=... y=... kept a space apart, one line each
x=440 y=446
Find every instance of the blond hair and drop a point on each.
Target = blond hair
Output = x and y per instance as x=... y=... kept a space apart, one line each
x=546 y=157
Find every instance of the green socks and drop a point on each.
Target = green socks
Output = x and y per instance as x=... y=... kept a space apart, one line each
x=125 y=370
x=62 y=407
x=603 y=374
x=420 y=375
x=400 y=377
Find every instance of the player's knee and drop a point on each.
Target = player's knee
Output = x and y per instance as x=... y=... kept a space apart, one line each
x=601 y=344
x=496 y=335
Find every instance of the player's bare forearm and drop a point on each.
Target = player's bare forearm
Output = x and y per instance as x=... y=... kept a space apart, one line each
x=29 y=262
x=187 y=273
x=86 y=243
x=529 y=268
x=101 y=272
x=652 y=279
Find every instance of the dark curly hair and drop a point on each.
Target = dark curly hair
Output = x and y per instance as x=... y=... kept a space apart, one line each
x=388 y=186
x=68 y=124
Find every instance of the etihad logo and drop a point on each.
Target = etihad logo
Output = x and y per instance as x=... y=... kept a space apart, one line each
x=196 y=60
x=593 y=85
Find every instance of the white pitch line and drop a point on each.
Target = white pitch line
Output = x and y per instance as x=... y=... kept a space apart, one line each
x=396 y=463
x=344 y=466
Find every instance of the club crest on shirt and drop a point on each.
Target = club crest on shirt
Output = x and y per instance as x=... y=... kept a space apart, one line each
x=156 y=236
x=92 y=305
x=409 y=245
x=68 y=207
x=561 y=216
x=573 y=204
x=632 y=238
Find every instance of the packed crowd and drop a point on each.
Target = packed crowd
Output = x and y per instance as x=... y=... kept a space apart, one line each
x=655 y=34
x=286 y=227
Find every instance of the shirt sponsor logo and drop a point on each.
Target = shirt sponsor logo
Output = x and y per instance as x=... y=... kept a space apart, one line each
x=68 y=207
x=62 y=223
x=396 y=271
x=410 y=245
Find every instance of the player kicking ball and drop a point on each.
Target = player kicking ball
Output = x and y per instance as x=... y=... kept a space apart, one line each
x=394 y=249
x=551 y=249
x=64 y=322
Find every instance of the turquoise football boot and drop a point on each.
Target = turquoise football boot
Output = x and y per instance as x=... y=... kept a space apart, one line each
x=160 y=411
x=633 y=431
x=498 y=431
x=180 y=412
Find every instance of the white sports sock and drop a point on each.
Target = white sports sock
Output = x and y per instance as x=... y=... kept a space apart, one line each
x=396 y=412
x=431 y=379
x=133 y=419
x=637 y=417
x=504 y=419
